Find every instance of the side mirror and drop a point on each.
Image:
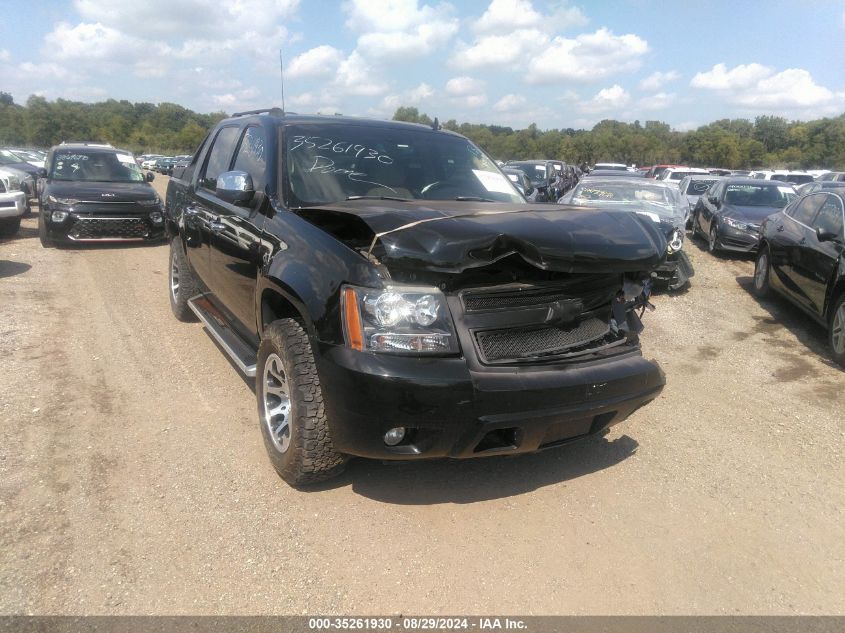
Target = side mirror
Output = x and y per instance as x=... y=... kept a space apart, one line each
x=42 y=173
x=826 y=236
x=527 y=186
x=235 y=187
x=149 y=176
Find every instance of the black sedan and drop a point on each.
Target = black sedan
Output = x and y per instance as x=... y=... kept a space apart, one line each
x=802 y=258
x=729 y=214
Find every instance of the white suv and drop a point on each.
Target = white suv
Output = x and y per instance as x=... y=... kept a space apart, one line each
x=12 y=203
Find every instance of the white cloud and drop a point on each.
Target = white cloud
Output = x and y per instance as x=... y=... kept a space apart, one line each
x=201 y=19
x=658 y=80
x=587 y=57
x=356 y=77
x=4 y=55
x=607 y=99
x=394 y=29
x=720 y=78
x=509 y=15
x=413 y=97
x=319 y=61
x=657 y=101
x=462 y=86
x=758 y=88
x=509 y=103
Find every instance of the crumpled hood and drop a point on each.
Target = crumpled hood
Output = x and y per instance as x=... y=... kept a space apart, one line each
x=451 y=236
x=754 y=215
x=93 y=191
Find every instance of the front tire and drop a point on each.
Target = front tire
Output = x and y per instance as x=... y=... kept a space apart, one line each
x=762 y=270
x=836 y=333
x=290 y=407
x=712 y=238
x=43 y=235
x=182 y=284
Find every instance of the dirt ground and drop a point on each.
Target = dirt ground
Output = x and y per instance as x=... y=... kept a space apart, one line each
x=133 y=479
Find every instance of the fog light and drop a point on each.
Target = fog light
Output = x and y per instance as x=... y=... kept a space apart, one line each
x=394 y=436
x=59 y=216
x=156 y=217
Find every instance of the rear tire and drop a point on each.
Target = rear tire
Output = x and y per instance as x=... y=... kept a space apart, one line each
x=181 y=283
x=836 y=332
x=290 y=407
x=762 y=270
x=10 y=226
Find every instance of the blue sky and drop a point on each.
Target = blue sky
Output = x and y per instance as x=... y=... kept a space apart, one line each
x=510 y=62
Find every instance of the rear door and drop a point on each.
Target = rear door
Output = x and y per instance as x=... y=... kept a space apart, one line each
x=236 y=234
x=796 y=235
x=819 y=260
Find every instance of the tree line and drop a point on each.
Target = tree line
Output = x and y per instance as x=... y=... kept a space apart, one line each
x=767 y=141
x=143 y=128
x=168 y=128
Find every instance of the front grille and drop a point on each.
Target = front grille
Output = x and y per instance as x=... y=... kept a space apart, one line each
x=523 y=343
x=592 y=292
x=7 y=203
x=109 y=228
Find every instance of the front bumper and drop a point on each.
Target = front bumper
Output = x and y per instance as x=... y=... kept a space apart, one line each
x=731 y=239
x=123 y=227
x=12 y=204
x=453 y=411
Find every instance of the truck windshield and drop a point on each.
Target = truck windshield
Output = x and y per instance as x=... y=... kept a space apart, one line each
x=331 y=163
x=97 y=166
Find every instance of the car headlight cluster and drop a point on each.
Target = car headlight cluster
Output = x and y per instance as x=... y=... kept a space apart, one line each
x=65 y=202
x=736 y=224
x=398 y=319
x=676 y=241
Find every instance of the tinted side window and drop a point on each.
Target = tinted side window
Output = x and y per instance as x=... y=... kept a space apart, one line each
x=251 y=157
x=219 y=157
x=806 y=210
x=829 y=217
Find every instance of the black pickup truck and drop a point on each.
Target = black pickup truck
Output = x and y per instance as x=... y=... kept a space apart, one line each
x=395 y=297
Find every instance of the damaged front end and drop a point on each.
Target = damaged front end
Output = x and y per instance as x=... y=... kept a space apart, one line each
x=514 y=286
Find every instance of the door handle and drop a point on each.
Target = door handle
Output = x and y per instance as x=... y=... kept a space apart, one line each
x=780 y=228
x=190 y=212
x=215 y=225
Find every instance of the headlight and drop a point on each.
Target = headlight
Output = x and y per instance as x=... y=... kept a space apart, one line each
x=68 y=202
x=676 y=240
x=156 y=217
x=152 y=202
x=741 y=226
x=13 y=183
x=409 y=319
x=59 y=216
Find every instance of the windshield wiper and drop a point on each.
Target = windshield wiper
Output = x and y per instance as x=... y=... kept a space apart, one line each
x=473 y=199
x=396 y=198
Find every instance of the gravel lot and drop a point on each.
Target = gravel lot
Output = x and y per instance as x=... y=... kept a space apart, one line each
x=133 y=477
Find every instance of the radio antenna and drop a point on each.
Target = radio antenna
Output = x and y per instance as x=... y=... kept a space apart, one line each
x=282 y=75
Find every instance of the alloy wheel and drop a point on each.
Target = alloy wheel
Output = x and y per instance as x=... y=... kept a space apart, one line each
x=276 y=403
x=174 y=277
x=761 y=271
x=711 y=243
x=837 y=331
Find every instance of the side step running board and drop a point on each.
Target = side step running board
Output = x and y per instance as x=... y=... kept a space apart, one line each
x=241 y=354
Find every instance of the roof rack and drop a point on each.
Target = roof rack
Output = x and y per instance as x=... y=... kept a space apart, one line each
x=273 y=111
x=87 y=143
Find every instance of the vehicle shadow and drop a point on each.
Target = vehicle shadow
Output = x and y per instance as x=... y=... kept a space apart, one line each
x=785 y=315
x=440 y=481
x=10 y=268
x=23 y=233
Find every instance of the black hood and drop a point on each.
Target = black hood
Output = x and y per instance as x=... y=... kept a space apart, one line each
x=754 y=215
x=93 y=191
x=450 y=236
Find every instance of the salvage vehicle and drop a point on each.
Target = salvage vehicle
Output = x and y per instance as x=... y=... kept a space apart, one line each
x=28 y=174
x=730 y=214
x=95 y=193
x=658 y=201
x=676 y=174
x=12 y=204
x=692 y=187
x=802 y=257
x=522 y=182
x=395 y=297
x=543 y=176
